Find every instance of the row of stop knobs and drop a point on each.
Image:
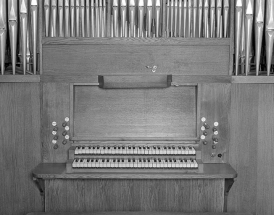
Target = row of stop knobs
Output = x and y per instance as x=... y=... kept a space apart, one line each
x=64 y=132
x=205 y=128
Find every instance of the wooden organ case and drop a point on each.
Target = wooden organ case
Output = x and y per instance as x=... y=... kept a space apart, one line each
x=136 y=123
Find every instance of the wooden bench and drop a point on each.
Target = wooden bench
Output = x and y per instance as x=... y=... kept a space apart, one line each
x=133 y=213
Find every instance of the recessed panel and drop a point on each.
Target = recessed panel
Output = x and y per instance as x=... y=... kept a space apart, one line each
x=168 y=113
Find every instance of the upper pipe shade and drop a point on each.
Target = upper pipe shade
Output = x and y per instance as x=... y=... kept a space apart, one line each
x=269 y=22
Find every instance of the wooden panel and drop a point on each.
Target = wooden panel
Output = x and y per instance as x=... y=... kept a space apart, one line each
x=134 y=59
x=243 y=147
x=134 y=113
x=209 y=171
x=135 y=195
x=55 y=108
x=265 y=169
x=19 y=147
x=135 y=213
x=215 y=107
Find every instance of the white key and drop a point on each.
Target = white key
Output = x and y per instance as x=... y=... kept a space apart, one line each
x=86 y=150
x=195 y=164
x=102 y=149
x=85 y=163
x=134 y=150
x=81 y=163
x=168 y=151
x=157 y=150
x=124 y=150
x=184 y=163
x=184 y=150
x=119 y=150
x=74 y=163
x=92 y=161
x=108 y=150
x=76 y=152
x=188 y=164
x=174 y=150
x=89 y=163
x=108 y=163
x=187 y=150
x=97 y=164
x=153 y=150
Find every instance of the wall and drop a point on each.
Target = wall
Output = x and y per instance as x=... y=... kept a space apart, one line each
x=19 y=147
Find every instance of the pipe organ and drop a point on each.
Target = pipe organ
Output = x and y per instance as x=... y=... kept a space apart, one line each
x=136 y=96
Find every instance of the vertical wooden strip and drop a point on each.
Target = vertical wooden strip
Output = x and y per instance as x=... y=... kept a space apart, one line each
x=265 y=170
x=19 y=147
x=243 y=147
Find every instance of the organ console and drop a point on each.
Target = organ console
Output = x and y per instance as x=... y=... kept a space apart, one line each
x=136 y=98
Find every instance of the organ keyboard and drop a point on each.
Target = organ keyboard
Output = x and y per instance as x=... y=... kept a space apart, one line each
x=142 y=157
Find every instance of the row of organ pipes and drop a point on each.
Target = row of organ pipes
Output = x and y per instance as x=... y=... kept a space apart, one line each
x=254 y=35
x=19 y=36
x=254 y=26
x=136 y=18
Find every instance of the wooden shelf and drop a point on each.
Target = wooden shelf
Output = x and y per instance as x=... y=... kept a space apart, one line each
x=58 y=171
x=133 y=213
x=19 y=78
x=136 y=41
x=252 y=79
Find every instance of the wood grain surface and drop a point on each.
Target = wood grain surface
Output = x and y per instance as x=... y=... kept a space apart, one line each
x=19 y=147
x=135 y=213
x=265 y=168
x=135 y=59
x=55 y=108
x=215 y=107
x=134 y=113
x=134 y=195
x=209 y=171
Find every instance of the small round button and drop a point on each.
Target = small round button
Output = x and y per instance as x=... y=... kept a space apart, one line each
x=216 y=132
x=220 y=155
x=67 y=128
x=203 y=128
x=215 y=140
x=66 y=119
x=54 y=132
x=216 y=124
x=64 y=142
x=203 y=119
x=54 y=141
x=67 y=137
x=55 y=146
x=203 y=137
x=54 y=123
